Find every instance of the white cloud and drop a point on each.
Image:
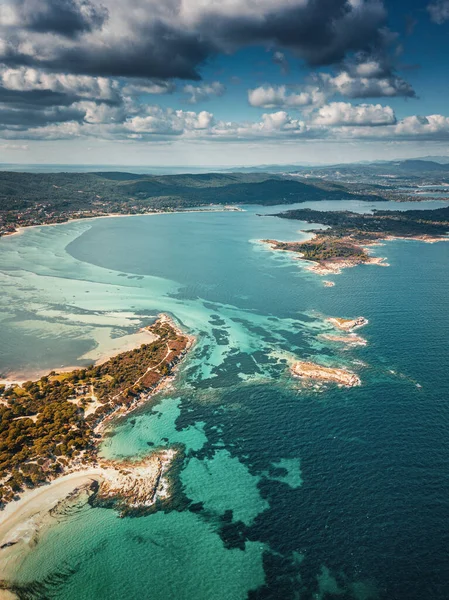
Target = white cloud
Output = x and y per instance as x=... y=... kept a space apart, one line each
x=369 y=86
x=204 y=91
x=337 y=121
x=26 y=79
x=169 y=122
x=432 y=125
x=281 y=97
x=344 y=113
x=150 y=87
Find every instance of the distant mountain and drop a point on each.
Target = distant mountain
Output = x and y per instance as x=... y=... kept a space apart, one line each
x=80 y=191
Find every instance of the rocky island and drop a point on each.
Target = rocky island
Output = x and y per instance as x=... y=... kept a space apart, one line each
x=312 y=371
x=347 y=324
x=346 y=242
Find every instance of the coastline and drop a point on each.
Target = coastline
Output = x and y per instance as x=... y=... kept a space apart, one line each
x=21 y=520
x=22 y=228
x=131 y=485
x=131 y=342
x=127 y=484
x=325 y=267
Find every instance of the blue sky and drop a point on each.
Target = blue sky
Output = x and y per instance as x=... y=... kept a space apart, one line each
x=202 y=82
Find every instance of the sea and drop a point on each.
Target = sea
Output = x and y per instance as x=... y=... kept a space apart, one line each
x=284 y=491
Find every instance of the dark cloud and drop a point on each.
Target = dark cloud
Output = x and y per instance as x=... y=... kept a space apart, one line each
x=65 y=17
x=36 y=98
x=156 y=51
x=172 y=45
x=49 y=80
x=321 y=31
x=25 y=118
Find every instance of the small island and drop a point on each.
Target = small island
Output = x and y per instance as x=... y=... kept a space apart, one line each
x=347 y=324
x=313 y=371
x=53 y=427
x=347 y=241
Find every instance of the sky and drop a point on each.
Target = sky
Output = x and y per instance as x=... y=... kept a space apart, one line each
x=222 y=82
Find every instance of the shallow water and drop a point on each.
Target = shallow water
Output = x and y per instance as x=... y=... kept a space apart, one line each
x=285 y=492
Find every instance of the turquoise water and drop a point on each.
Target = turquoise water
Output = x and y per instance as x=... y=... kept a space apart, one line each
x=284 y=492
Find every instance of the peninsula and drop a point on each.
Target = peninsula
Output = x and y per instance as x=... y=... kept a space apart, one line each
x=53 y=426
x=346 y=241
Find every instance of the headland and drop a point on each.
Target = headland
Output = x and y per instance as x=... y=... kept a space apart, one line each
x=51 y=431
x=349 y=237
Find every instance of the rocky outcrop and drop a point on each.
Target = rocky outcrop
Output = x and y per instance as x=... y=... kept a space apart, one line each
x=135 y=485
x=347 y=324
x=313 y=371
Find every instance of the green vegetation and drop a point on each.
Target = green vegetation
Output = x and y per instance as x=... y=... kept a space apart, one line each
x=45 y=424
x=367 y=227
x=323 y=249
x=349 y=231
x=36 y=198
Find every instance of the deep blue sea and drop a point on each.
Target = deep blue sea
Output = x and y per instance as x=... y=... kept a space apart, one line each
x=285 y=492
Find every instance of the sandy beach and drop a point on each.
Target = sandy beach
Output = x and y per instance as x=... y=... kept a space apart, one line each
x=20 y=230
x=131 y=484
x=22 y=520
x=121 y=344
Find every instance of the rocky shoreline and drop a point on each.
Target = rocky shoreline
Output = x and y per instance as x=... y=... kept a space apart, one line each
x=347 y=324
x=313 y=371
x=350 y=340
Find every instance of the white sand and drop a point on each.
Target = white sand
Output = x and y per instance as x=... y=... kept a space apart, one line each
x=21 y=520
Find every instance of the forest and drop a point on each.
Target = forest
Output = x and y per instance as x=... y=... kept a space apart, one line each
x=40 y=198
x=47 y=424
x=379 y=223
x=348 y=232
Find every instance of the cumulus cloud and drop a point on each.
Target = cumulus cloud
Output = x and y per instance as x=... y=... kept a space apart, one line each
x=333 y=122
x=26 y=79
x=439 y=11
x=361 y=79
x=368 y=86
x=431 y=127
x=281 y=97
x=169 y=122
x=344 y=113
x=137 y=87
x=204 y=91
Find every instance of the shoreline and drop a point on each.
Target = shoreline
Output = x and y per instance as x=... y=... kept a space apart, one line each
x=336 y=266
x=131 y=484
x=128 y=484
x=21 y=520
x=22 y=228
x=19 y=378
